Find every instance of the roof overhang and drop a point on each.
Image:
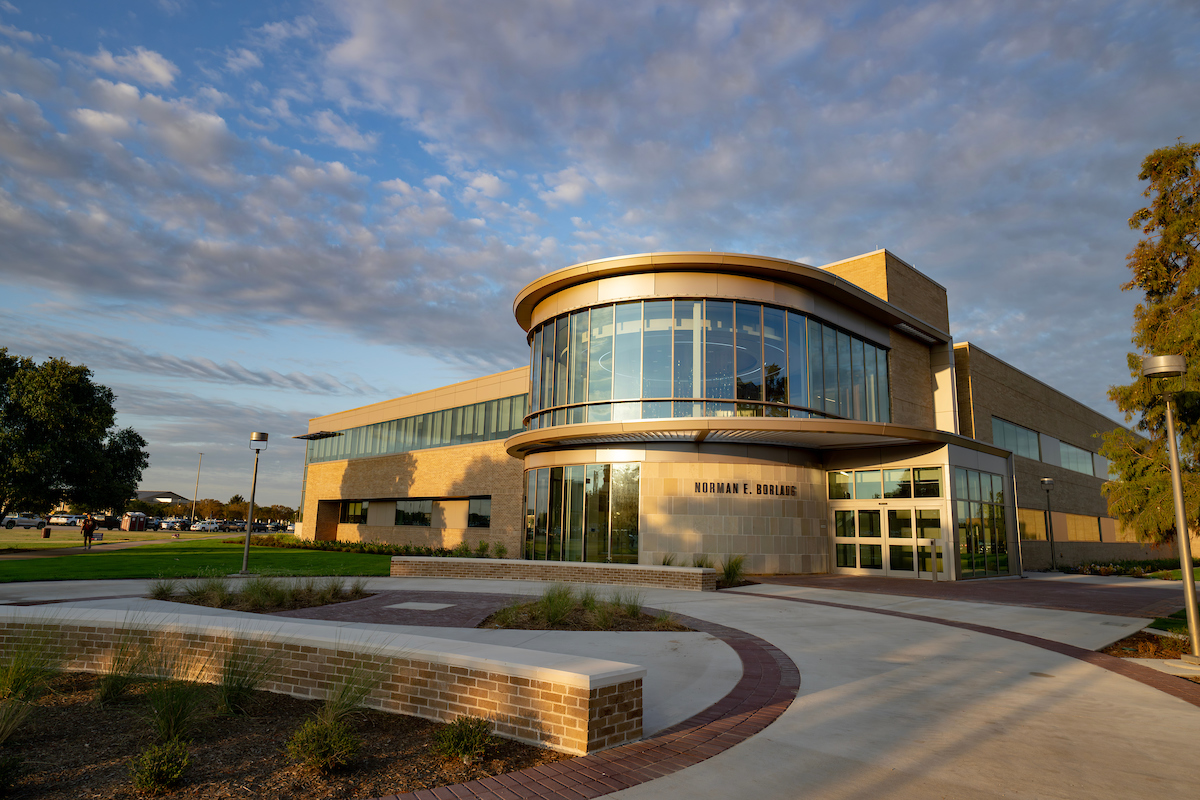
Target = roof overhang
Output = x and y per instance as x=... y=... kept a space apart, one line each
x=771 y=269
x=807 y=434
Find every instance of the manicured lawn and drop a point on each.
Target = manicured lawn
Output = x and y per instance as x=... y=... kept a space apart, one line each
x=184 y=559
x=1176 y=623
x=63 y=536
x=1174 y=574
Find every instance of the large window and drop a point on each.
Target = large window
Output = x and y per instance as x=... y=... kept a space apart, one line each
x=876 y=484
x=479 y=512
x=1075 y=458
x=582 y=513
x=982 y=534
x=414 y=512
x=478 y=422
x=688 y=358
x=1021 y=441
x=354 y=511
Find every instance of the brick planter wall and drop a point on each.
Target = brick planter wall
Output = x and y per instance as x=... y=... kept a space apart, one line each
x=699 y=579
x=574 y=705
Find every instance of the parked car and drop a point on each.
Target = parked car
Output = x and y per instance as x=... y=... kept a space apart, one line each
x=207 y=525
x=66 y=519
x=291 y=528
x=24 y=519
x=107 y=521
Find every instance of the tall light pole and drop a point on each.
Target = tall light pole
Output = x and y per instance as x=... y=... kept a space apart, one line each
x=258 y=441
x=196 y=493
x=1048 y=484
x=1171 y=367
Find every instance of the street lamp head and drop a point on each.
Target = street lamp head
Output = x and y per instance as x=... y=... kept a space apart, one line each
x=1047 y=483
x=258 y=441
x=1163 y=366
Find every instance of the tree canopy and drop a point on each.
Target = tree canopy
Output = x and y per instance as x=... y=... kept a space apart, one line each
x=1166 y=269
x=57 y=439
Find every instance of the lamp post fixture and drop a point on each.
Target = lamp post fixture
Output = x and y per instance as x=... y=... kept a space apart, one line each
x=196 y=492
x=1048 y=484
x=258 y=441
x=1171 y=367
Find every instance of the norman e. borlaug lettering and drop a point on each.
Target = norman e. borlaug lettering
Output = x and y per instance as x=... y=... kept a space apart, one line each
x=770 y=489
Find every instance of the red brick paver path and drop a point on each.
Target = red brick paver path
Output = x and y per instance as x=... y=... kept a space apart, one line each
x=1124 y=601
x=768 y=685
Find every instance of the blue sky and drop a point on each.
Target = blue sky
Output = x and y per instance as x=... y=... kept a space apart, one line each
x=242 y=215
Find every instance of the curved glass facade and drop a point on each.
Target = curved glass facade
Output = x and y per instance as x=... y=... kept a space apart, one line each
x=657 y=359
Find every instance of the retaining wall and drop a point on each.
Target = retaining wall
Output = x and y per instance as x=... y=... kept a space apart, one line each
x=566 y=703
x=1035 y=554
x=699 y=579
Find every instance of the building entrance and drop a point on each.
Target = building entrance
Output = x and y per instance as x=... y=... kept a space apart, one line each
x=890 y=539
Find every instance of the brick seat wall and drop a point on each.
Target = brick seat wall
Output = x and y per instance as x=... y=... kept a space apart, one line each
x=566 y=703
x=699 y=579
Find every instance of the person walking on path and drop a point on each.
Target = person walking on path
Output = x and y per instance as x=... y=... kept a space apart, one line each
x=89 y=528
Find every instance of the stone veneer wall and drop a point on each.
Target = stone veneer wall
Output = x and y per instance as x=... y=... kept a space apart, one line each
x=777 y=535
x=1035 y=554
x=570 y=712
x=510 y=569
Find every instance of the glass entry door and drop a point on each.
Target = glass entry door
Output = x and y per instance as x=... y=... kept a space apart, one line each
x=891 y=541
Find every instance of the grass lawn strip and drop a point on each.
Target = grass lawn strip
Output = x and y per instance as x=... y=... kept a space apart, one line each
x=184 y=559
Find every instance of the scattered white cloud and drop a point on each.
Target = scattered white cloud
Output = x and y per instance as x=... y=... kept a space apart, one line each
x=336 y=130
x=142 y=66
x=240 y=60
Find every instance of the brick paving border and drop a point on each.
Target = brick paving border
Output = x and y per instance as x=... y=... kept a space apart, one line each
x=1173 y=685
x=769 y=683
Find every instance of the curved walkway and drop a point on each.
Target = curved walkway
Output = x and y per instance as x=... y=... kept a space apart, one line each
x=906 y=697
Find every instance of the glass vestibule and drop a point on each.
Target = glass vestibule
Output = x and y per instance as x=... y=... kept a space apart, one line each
x=979 y=499
x=659 y=359
x=585 y=512
x=889 y=522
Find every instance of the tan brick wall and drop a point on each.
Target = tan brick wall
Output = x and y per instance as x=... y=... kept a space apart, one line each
x=569 y=718
x=655 y=577
x=910 y=378
x=997 y=389
x=458 y=471
x=884 y=275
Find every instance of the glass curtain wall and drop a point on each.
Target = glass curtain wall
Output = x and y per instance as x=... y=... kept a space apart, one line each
x=692 y=358
x=982 y=537
x=582 y=513
x=478 y=422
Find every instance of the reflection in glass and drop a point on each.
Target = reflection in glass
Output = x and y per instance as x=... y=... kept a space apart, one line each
x=845 y=373
x=857 y=359
x=900 y=523
x=928 y=482
x=845 y=555
x=627 y=352
x=530 y=510
x=867 y=485
x=900 y=557
x=775 y=380
x=579 y=357
x=830 y=355
x=843 y=524
x=797 y=367
x=840 y=487
x=897 y=483
x=596 y=488
x=748 y=320
x=540 y=531
x=555 y=518
x=600 y=355
x=869 y=524
x=689 y=359
x=562 y=339
x=574 y=515
x=870 y=556
x=718 y=350
x=624 y=536
x=656 y=349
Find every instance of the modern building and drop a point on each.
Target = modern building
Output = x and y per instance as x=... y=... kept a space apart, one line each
x=682 y=406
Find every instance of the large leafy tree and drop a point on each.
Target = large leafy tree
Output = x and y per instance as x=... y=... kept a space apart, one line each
x=1166 y=269
x=57 y=442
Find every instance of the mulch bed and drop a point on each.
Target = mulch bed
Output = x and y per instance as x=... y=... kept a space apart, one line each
x=1147 y=645
x=74 y=749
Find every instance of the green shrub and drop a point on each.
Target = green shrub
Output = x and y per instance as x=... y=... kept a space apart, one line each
x=465 y=738
x=481 y=550
x=175 y=708
x=330 y=590
x=587 y=598
x=159 y=767
x=733 y=571
x=324 y=744
x=605 y=616
x=263 y=592
x=210 y=590
x=245 y=667
x=500 y=550
x=358 y=588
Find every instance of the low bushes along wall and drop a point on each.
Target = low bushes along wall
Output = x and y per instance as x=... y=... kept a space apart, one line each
x=595 y=706
x=699 y=579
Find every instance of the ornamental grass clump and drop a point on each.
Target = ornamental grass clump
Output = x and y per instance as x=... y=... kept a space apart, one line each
x=733 y=571
x=557 y=601
x=124 y=667
x=245 y=668
x=32 y=659
x=324 y=745
x=210 y=590
x=262 y=592
x=162 y=588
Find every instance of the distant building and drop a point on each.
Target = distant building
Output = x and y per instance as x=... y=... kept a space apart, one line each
x=814 y=420
x=166 y=498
